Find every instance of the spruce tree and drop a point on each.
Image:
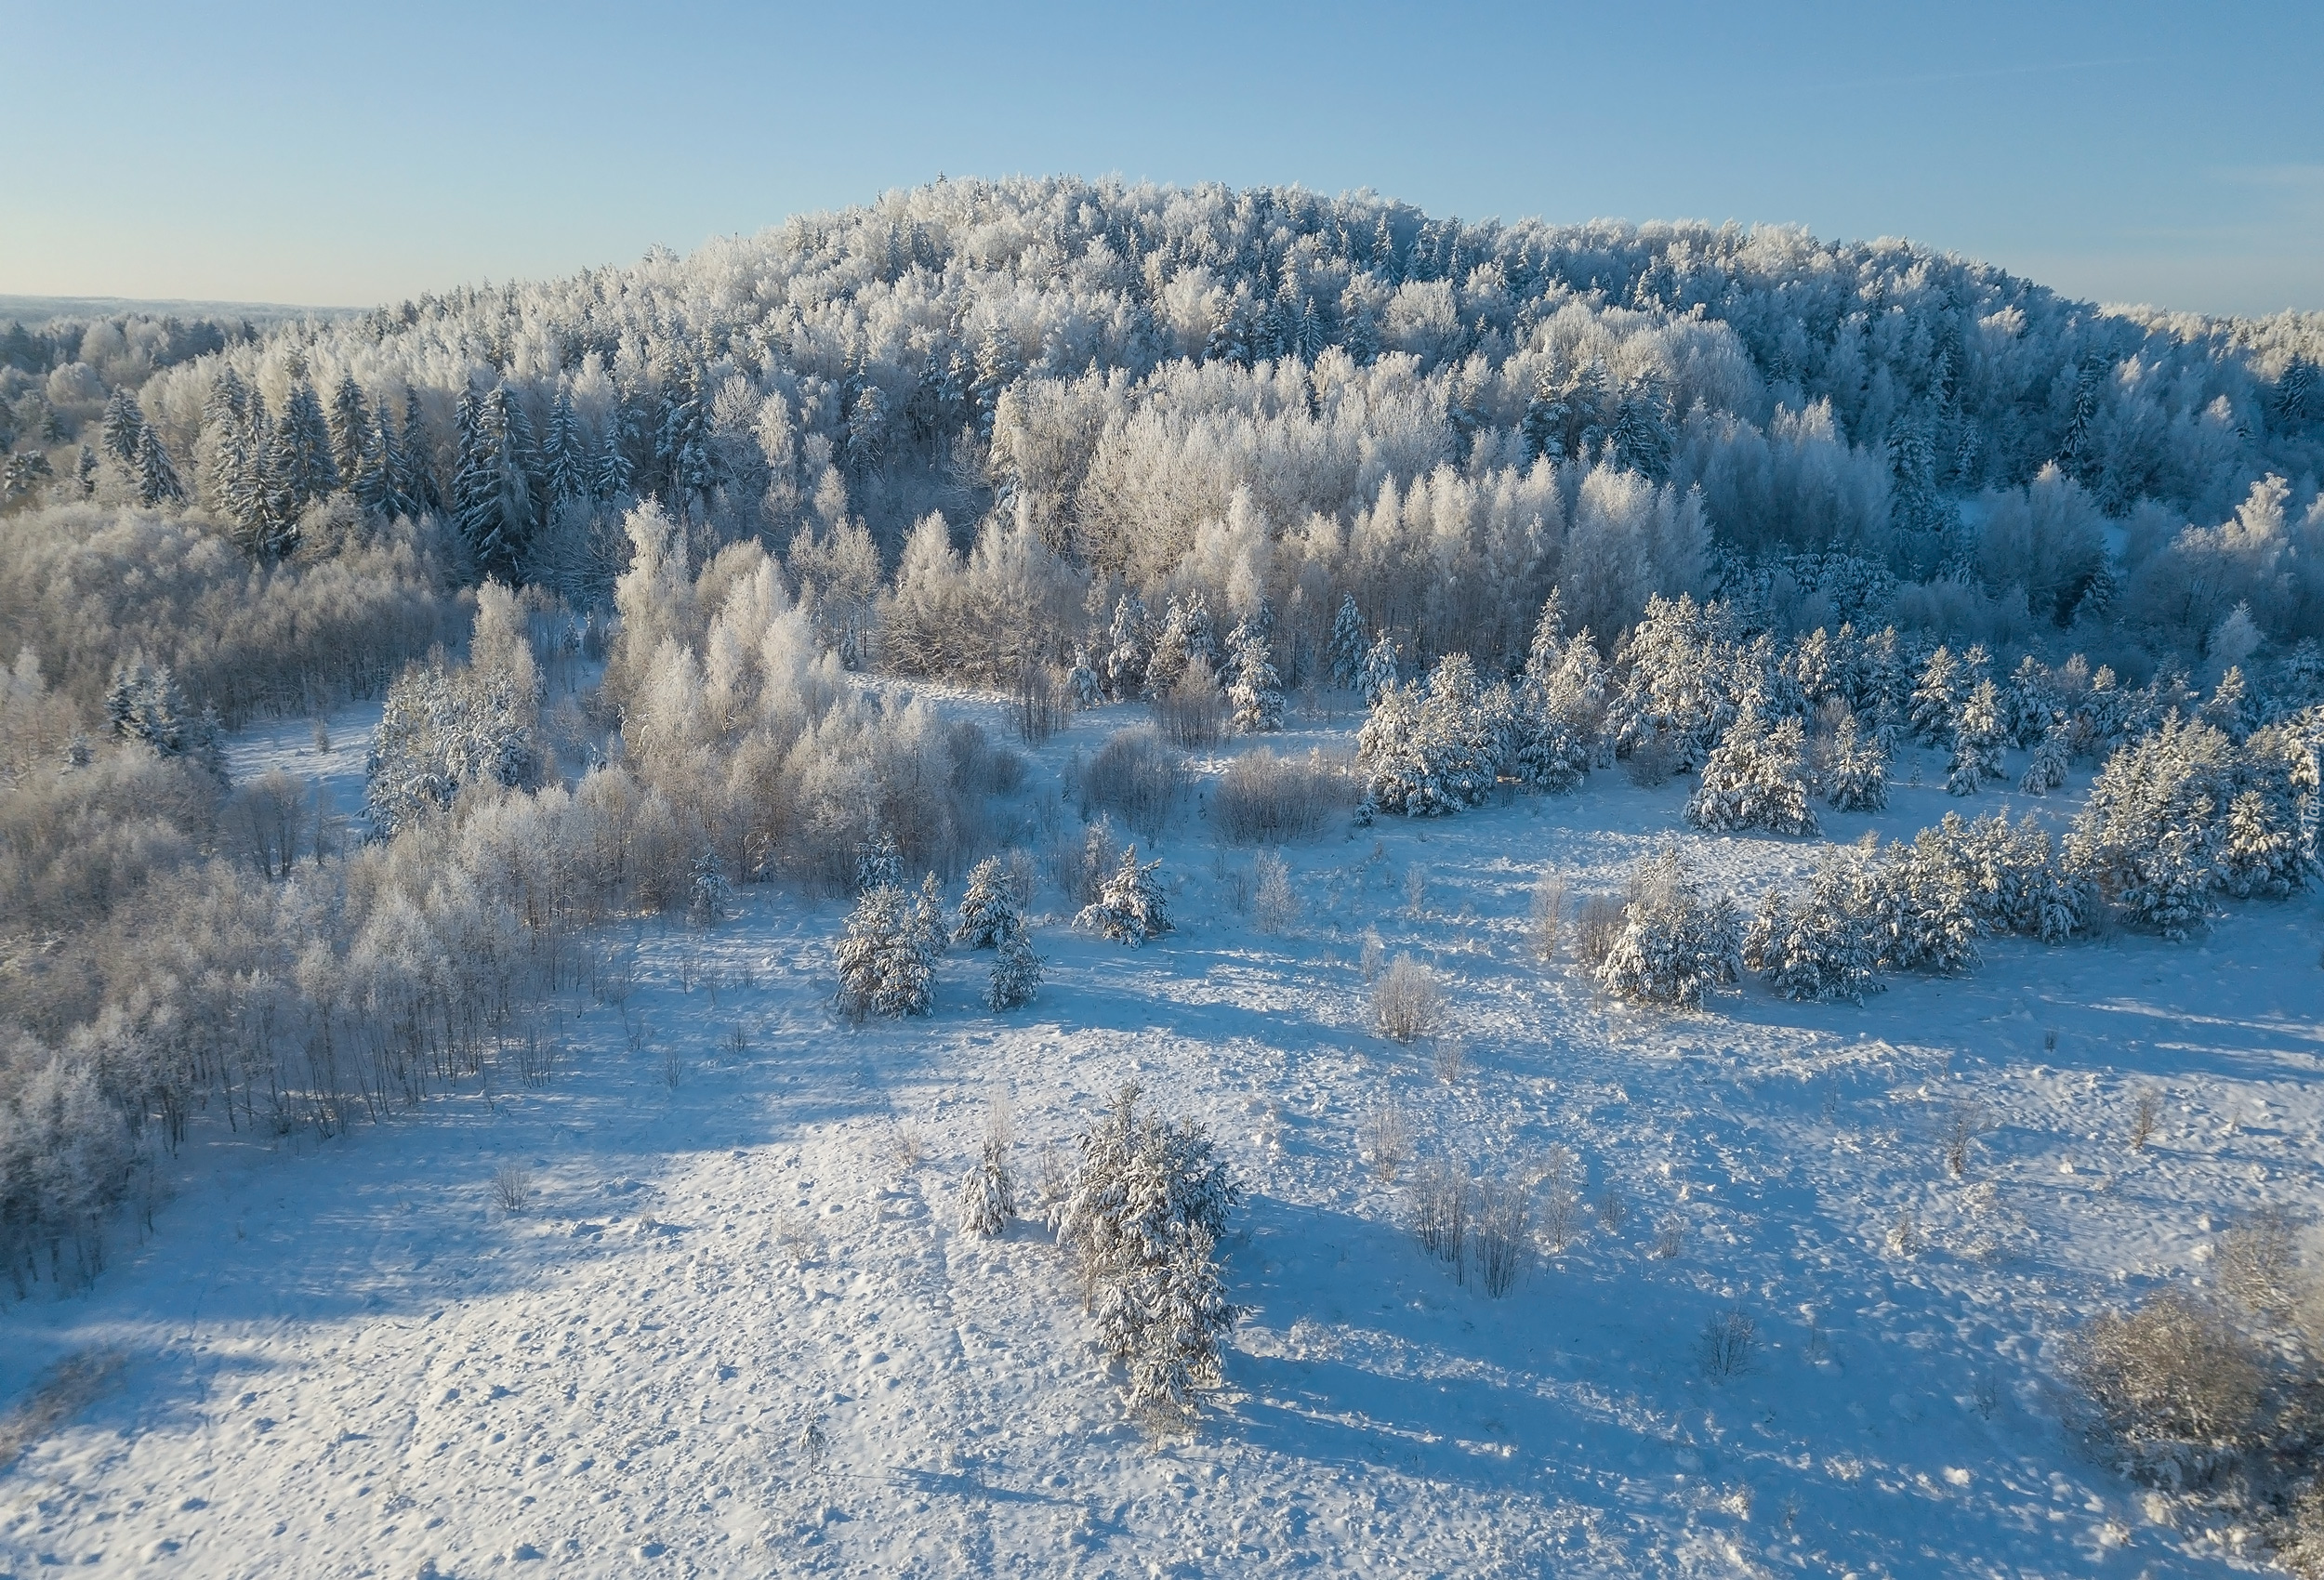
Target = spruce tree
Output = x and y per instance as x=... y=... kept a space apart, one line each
x=1856 y=777
x=988 y=910
x=1347 y=643
x=350 y=430
x=158 y=477
x=1977 y=738
x=1016 y=973
x=1254 y=692
x=1130 y=907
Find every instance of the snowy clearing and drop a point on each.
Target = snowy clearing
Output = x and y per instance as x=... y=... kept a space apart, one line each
x=728 y=1325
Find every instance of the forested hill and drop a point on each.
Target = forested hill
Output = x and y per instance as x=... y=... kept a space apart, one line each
x=1267 y=394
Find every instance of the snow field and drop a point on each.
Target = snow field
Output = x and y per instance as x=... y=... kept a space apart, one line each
x=353 y=1360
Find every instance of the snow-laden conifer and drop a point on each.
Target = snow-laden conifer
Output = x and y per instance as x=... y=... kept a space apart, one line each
x=988 y=1191
x=1379 y=670
x=988 y=910
x=2053 y=755
x=886 y=959
x=1348 y=646
x=1254 y=692
x=1130 y=907
x=1822 y=944
x=1016 y=973
x=1676 y=943
x=1429 y=750
x=879 y=863
x=1977 y=740
x=1856 y=771
x=1755 y=778
x=710 y=898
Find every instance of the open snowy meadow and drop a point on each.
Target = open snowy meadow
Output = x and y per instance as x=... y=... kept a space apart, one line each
x=676 y=1282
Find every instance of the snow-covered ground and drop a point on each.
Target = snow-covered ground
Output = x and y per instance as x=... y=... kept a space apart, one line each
x=353 y=1360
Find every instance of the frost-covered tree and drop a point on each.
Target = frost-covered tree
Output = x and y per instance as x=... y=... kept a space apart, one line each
x=1821 y=946
x=879 y=863
x=1977 y=739
x=1254 y=692
x=988 y=1191
x=1856 y=771
x=1756 y=777
x=1675 y=943
x=1426 y=751
x=988 y=910
x=1128 y=648
x=2052 y=757
x=1936 y=699
x=442 y=729
x=1684 y=675
x=1377 y=672
x=1016 y=976
x=709 y=898
x=1130 y=907
x=886 y=959
x=1348 y=646
x=1143 y=1218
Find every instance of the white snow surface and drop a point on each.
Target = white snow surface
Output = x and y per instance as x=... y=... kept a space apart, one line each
x=346 y=1358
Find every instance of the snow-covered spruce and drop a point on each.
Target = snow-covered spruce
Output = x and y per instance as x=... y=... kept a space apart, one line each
x=988 y=910
x=1254 y=692
x=709 y=898
x=1977 y=740
x=879 y=863
x=1756 y=777
x=1428 y=750
x=1016 y=973
x=988 y=1191
x=1129 y=906
x=1143 y=1218
x=1856 y=771
x=2053 y=755
x=1348 y=645
x=1821 y=946
x=886 y=957
x=442 y=729
x=1675 y=943
x=1378 y=671
x=2183 y=814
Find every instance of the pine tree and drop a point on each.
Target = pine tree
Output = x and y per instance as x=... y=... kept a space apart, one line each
x=1377 y=672
x=1755 y=778
x=927 y=916
x=1130 y=907
x=123 y=428
x=1129 y=648
x=1675 y=944
x=988 y=1192
x=879 y=863
x=1936 y=700
x=886 y=965
x=1016 y=973
x=1254 y=692
x=2053 y=755
x=710 y=898
x=1976 y=741
x=564 y=464
x=158 y=477
x=1822 y=948
x=988 y=910
x=351 y=431
x=1855 y=779
x=1347 y=643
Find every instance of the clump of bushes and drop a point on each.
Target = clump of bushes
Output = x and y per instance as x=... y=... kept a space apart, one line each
x=1264 y=799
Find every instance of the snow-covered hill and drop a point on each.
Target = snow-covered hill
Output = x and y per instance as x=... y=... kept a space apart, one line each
x=728 y=1325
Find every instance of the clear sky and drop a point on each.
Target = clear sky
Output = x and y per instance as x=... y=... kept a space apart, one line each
x=345 y=154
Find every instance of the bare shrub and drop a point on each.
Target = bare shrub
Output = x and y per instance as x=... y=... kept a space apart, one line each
x=1407 y=1000
x=907 y=1147
x=1138 y=778
x=1652 y=762
x=979 y=768
x=673 y=1066
x=1441 y=1204
x=1372 y=957
x=1561 y=1214
x=512 y=1187
x=1266 y=800
x=2172 y=1380
x=2145 y=1118
x=1192 y=715
x=1670 y=1240
x=1038 y=703
x=1416 y=891
x=1596 y=926
x=1614 y=1210
x=536 y=1059
x=1965 y=1122
x=1729 y=1345
x=2256 y=1263
x=1502 y=1234
x=1274 y=904
x=1452 y=1058
x=1387 y=1138
x=1546 y=917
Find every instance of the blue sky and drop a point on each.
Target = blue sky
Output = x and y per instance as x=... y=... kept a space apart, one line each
x=310 y=153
